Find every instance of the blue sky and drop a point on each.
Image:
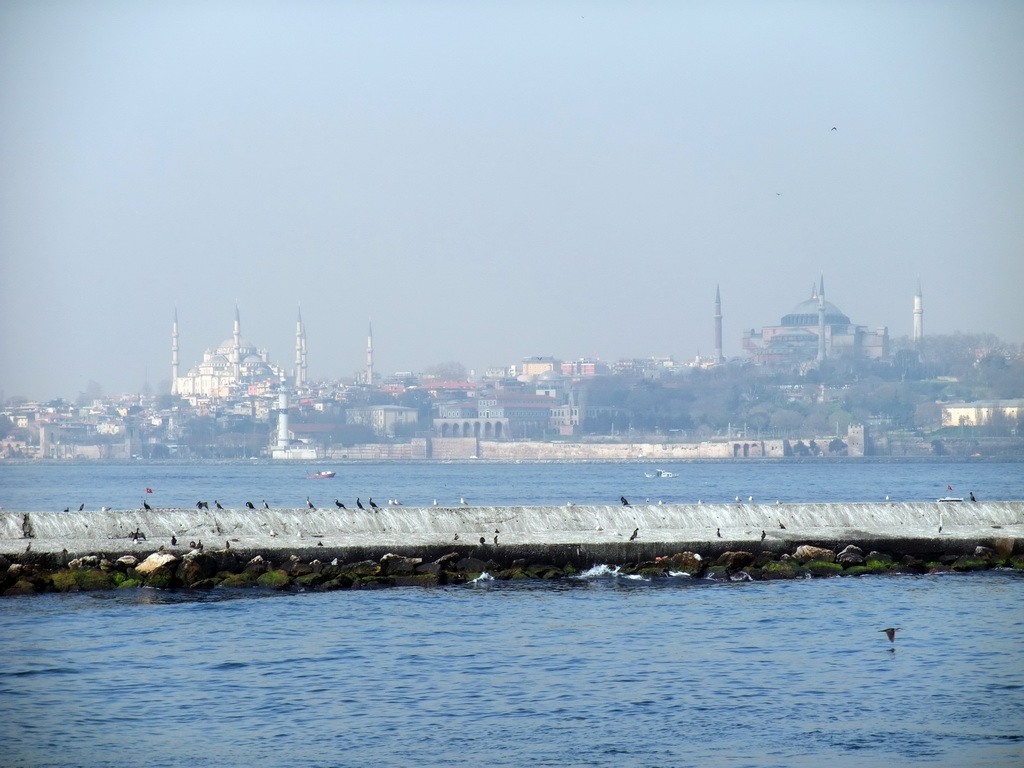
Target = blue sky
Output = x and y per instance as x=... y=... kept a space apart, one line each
x=488 y=181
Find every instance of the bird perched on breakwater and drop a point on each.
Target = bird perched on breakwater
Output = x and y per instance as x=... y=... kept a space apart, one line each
x=890 y=632
x=718 y=532
x=250 y=505
x=67 y=509
x=81 y=507
x=145 y=505
x=265 y=505
x=309 y=504
x=456 y=537
x=359 y=503
x=636 y=532
x=462 y=501
x=339 y=505
x=972 y=496
x=483 y=540
x=217 y=504
x=372 y=504
x=495 y=541
x=174 y=540
x=625 y=503
x=764 y=535
x=781 y=525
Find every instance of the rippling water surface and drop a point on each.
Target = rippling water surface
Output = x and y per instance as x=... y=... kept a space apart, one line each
x=599 y=671
x=595 y=671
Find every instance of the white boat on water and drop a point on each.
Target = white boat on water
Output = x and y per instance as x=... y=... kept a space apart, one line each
x=660 y=473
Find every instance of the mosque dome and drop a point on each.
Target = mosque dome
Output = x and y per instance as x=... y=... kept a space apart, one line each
x=806 y=314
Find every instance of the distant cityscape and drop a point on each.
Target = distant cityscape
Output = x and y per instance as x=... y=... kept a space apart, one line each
x=815 y=384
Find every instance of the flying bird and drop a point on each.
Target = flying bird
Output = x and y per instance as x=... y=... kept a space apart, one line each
x=833 y=127
x=890 y=632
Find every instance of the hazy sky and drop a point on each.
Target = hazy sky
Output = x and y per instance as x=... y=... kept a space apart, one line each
x=487 y=181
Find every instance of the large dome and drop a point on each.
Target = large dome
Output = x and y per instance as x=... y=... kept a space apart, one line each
x=806 y=314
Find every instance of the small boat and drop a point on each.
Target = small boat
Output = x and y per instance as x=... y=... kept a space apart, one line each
x=321 y=475
x=660 y=473
x=949 y=498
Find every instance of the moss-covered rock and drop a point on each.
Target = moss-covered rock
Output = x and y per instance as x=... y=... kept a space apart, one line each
x=64 y=581
x=783 y=569
x=129 y=584
x=717 y=573
x=274 y=580
x=239 y=580
x=969 y=563
x=94 y=578
x=309 y=580
x=823 y=568
x=20 y=587
x=858 y=570
x=162 y=578
x=415 y=580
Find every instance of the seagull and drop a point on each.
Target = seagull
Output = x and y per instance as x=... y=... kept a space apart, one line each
x=833 y=127
x=737 y=499
x=218 y=504
x=750 y=498
x=623 y=500
x=891 y=633
x=435 y=502
x=886 y=497
x=462 y=501
x=309 y=503
x=250 y=505
x=570 y=504
x=636 y=532
x=338 y=504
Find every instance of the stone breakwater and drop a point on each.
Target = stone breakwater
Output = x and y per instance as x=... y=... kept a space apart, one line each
x=396 y=546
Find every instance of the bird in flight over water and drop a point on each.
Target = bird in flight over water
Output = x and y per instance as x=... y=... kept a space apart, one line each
x=891 y=633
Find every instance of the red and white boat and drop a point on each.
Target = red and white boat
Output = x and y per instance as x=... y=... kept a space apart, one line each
x=321 y=475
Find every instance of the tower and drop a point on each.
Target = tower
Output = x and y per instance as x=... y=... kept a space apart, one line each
x=300 y=352
x=718 y=326
x=236 y=345
x=821 y=321
x=918 y=316
x=369 y=357
x=174 y=353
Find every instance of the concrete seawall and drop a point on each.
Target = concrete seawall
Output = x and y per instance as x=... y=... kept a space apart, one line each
x=581 y=535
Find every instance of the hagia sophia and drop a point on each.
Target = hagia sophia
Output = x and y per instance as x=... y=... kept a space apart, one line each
x=817 y=330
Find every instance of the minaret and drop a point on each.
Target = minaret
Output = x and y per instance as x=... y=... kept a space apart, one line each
x=300 y=352
x=918 y=316
x=821 y=321
x=369 y=357
x=174 y=353
x=236 y=346
x=718 y=326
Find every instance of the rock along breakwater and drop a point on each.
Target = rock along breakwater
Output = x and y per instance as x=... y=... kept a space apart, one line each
x=395 y=545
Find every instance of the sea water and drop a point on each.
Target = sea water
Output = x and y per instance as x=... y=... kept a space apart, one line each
x=599 y=670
